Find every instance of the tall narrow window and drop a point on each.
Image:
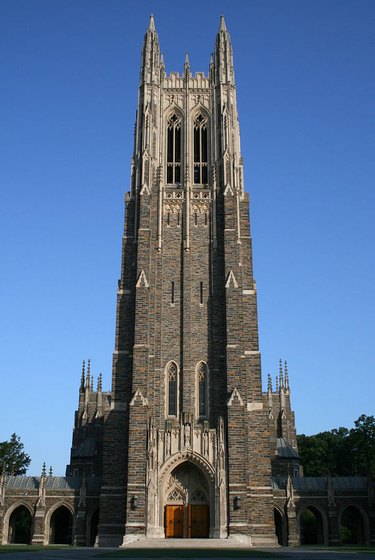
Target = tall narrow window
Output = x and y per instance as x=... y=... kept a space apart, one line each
x=201 y=293
x=200 y=150
x=202 y=374
x=172 y=388
x=174 y=150
x=172 y=293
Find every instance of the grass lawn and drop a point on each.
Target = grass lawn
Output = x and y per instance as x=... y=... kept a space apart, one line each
x=9 y=548
x=367 y=549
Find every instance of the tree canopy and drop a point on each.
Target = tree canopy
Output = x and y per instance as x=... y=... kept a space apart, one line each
x=13 y=459
x=340 y=452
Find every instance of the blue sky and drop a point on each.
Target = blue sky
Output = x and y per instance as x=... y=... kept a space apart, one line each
x=306 y=90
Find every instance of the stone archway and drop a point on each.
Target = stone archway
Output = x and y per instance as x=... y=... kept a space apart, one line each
x=311 y=526
x=187 y=501
x=61 y=526
x=20 y=522
x=352 y=529
x=92 y=527
x=280 y=527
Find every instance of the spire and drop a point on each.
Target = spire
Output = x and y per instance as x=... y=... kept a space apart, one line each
x=281 y=379
x=286 y=375
x=150 y=66
x=223 y=55
x=186 y=66
x=44 y=470
x=87 y=387
x=99 y=399
x=211 y=71
x=82 y=386
x=151 y=25
x=50 y=472
x=269 y=383
x=162 y=66
x=88 y=375
x=269 y=393
x=222 y=27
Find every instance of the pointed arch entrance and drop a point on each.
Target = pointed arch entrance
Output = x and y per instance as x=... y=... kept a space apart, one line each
x=352 y=527
x=187 y=499
x=311 y=526
x=61 y=526
x=20 y=525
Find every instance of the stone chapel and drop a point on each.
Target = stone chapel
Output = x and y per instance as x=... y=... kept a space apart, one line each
x=186 y=444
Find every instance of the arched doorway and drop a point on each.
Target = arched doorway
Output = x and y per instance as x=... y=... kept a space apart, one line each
x=351 y=526
x=93 y=527
x=61 y=526
x=187 y=512
x=280 y=528
x=20 y=526
x=311 y=526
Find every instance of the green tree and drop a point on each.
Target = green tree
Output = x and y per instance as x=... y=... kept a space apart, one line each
x=340 y=452
x=323 y=454
x=362 y=446
x=13 y=459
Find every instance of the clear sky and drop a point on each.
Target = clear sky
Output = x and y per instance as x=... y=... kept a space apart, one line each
x=306 y=95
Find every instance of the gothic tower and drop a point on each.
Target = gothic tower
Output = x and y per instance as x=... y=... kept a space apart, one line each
x=186 y=450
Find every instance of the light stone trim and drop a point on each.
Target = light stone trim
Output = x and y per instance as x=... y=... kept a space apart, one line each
x=254 y=406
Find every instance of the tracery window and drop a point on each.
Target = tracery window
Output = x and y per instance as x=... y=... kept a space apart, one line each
x=202 y=381
x=172 y=389
x=200 y=150
x=174 y=149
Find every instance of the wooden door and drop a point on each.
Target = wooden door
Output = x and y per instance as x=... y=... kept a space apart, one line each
x=174 y=522
x=198 y=522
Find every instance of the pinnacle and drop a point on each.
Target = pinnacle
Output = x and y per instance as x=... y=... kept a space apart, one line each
x=151 y=26
x=222 y=24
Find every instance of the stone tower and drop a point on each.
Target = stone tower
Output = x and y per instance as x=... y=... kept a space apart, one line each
x=187 y=447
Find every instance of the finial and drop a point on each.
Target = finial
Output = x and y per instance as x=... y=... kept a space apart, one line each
x=50 y=472
x=83 y=375
x=286 y=374
x=222 y=24
x=44 y=470
x=88 y=374
x=281 y=380
x=269 y=384
x=100 y=382
x=92 y=383
x=162 y=63
x=151 y=25
x=186 y=66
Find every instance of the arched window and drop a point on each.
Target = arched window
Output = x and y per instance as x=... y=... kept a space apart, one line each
x=200 y=150
x=174 y=149
x=172 y=389
x=202 y=386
